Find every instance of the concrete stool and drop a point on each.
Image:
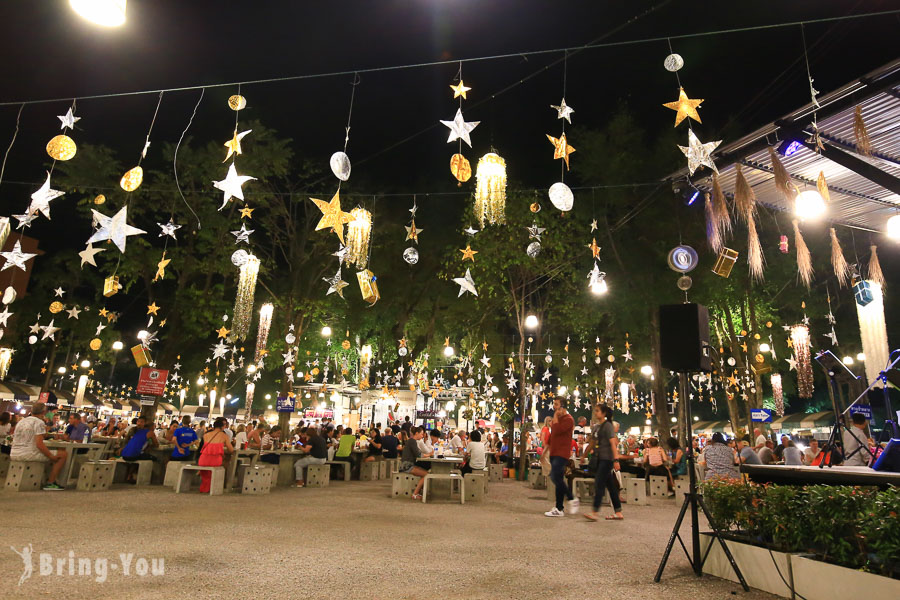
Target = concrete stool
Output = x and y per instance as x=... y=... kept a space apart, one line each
x=368 y=471
x=173 y=472
x=4 y=465
x=384 y=469
x=96 y=475
x=257 y=479
x=318 y=475
x=341 y=463
x=145 y=471
x=536 y=479
x=658 y=486
x=584 y=488
x=453 y=477
x=475 y=484
x=26 y=476
x=217 y=484
x=682 y=487
x=403 y=485
x=393 y=464
x=637 y=491
x=551 y=490
x=495 y=473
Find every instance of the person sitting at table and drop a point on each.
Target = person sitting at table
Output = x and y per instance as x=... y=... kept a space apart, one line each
x=389 y=444
x=28 y=445
x=215 y=445
x=810 y=454
x=474 y=456
x=112 y=428
x=240 y=438
x=345 y=446
x=271 y=440
x=504 y=450
x=766 y=454
x=677 y=457
x=456 y=443
x=137 y=440
x=374 y=445
x=719 y=459
x=182 y=438
x=409 y=461
x=316 y=452
x=254 y=440
x=792 y=455
x=76 y=430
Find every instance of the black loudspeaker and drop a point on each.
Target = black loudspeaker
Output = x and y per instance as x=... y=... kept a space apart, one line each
x=890 y=458
x=684 y=338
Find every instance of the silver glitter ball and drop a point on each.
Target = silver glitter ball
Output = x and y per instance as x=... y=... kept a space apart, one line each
x=290 y=338
x=470 y=382
x=548 y=359
x=533 y=249
x=684 y=283
x=340 y=165
x=239 y=258
x=402 y=351
x=32 y=339
x=731 y=361
x=411 y=255
x=673 y=62
x=561 y=196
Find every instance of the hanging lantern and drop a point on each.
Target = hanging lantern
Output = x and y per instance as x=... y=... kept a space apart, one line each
x=262 y=330
x=243 y=303
x=725 y=262
x=490 y=190
x=777 y=394
x=61 y=147
x=5 y=361
x=358 y=232
x=368 y=286
x=872 y=328
x=783 y=244
x=800 y=339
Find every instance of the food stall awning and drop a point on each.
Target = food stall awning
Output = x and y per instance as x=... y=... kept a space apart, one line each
x=819 y=419
x=788 y=422
x=20 y=392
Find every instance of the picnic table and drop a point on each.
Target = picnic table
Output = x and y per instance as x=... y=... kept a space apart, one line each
x=94 y=451
x=439 y=466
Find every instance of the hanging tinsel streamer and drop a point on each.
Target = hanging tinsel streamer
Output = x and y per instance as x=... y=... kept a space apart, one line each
x=358 y=234
x=610 y=380
x=800 y=339
x=777 y=394
x=782 y=179
x=804 y=260
x=873 y=332
x=863 y=143
x=822 y=186
x=754 y=249
x=243 y=303
x=744 y=197
x=5 y=360
x=838 y=262
x=248 y=401
x=713 y=230
x=875 y=273
x=490 y=190
x=262 y=330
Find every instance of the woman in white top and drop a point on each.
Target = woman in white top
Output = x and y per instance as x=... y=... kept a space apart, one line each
x=240 y=438
x=475 y=457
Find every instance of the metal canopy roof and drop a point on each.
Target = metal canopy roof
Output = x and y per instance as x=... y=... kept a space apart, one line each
x=855 y=199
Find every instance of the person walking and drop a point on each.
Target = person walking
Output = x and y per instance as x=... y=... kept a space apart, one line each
x=561 y=428
x=606 y=458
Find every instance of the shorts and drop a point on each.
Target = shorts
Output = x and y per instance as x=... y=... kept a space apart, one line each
x=29 y=456
x=406 y=466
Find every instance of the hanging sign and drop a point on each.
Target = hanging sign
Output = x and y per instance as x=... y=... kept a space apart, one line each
x=761 y=415
x=862 y=409
x=284 y=404
x=152 y=382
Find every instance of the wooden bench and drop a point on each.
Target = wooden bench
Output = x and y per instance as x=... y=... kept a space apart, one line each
x=96 y=475
x=144 y=473
x=26 y=476
x=453 y=478
x=318 y=475
x=217 y=484
x=343 y=463
x=256 y=479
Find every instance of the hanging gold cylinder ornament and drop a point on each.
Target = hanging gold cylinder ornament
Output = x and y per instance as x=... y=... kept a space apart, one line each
x=61 y=147
x=262 y=329
x=490 y=190
x=6 y=355
x=800 y=339
x=132 y=179
x=358 y=233
x=243 y=303
x=777 y=394
x=368 y=286
x=111 y=286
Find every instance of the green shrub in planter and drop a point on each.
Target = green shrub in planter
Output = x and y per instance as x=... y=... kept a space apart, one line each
x=832 y=517
x=880 y=530
x=728 y=501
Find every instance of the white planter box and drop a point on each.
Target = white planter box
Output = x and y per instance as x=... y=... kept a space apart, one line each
x=754 y=562
x=817 y=580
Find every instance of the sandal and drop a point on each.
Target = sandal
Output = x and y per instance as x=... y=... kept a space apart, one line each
x=614 y=518
x=590 y=516
x=417 y=496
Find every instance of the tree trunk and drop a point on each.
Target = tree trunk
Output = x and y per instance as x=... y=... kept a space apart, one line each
x=660 y=406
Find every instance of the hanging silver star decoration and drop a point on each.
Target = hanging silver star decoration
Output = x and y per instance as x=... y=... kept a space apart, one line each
x=460 y=129
x=87 y=255
x=73 y=312
x=563 y=111
x=4 y=316
x=341 y=254
x=220 y=350
x=486 y=361
x=115 y=228
x=25 y=220
x=40 y=200
x=16 y=258
x=242 y=235
x=231 y=185
x=698 y=154
x=168 y=229
x=59 y=292
x=593 y=225
x=470 y=231
x=335 y=284
x=534 y=232
x=49 y=331
x=37 y=325
x=68 y=119
x=466 y=284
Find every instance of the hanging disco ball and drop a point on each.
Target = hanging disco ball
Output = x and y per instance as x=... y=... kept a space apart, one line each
x=290 y=338
x=561 y=196
x=411 y=255
x=673 y=62
x=533 y=249
x=402 y=351
x=239 y=258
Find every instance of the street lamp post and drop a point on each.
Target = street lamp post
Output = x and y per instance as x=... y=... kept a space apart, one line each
x=117 y=345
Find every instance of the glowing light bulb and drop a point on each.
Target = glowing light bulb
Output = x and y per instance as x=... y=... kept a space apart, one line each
x=893 y=228
x=449 y=351
x=809 y=205
x=647 y=370
x=108 y=13
x=326 y=331
x=531 y=322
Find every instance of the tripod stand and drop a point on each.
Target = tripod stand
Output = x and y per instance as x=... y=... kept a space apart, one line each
x=693 y=500
x=837 y=372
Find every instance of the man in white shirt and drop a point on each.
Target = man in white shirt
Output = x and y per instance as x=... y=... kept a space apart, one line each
x=456 y=443
x=856 y=450
x=760 y=439
x=28 y=444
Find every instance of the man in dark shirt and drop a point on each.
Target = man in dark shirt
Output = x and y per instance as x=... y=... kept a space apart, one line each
x=411 y=454
x=76 y=431
x=389 y=444
x=316 y=449
x=395 y=427
x=407 y=426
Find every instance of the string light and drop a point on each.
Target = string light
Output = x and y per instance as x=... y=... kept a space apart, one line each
x=490 y=190
x=243 y=303
x=262 y=329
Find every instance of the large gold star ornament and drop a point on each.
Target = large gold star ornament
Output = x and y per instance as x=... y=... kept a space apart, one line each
x=332 y=216
x=468 y=253
x=152 y=309
x=412 y=233
x=595 y=249
x=561 y=148
x=222 y=332
x=161 y=267
x=460 y=90
x=234 y=144
x=684 y=107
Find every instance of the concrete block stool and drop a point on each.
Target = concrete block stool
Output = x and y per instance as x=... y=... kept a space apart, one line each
x=637 y=491
x=453 y=477
x=682 y=486
x=145 y=471
x=96 y=475
x=341 y=463
x=217 y=484
x=368 y=471
x=318 y=475
x=173 y=472
x=384 y=469
x=536 y=479
x=495 y=473
x=658 y=486
x=403 y=485
x=4 y=465
x=25 y=476
x=584 y=488
x=256 y=480
x=393 y=464
x=475 y=484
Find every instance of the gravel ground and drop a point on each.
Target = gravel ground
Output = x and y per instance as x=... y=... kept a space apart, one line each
x=350 y=540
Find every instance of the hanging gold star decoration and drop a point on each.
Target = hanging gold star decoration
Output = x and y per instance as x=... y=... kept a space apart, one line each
x=561 y=148
x=152 y=308
x=411 y=232
x=222 y=332
x=595 y=249
x=468 y=253
x=460 y=90
x=332 y=215
x=161 y=267
x=163 y=323
x=103 y=312
x=234 y=144
x=247 y=212
x=684 y=107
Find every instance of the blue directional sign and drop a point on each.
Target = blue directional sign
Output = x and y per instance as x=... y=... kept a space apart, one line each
x=284 y=404
x=862 y=409
x=761 y=415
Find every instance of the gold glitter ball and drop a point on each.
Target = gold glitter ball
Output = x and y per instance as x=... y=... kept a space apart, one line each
x=95 y=344
x=461 y=168
x=56 y=307
x=132 y=179
x=61 y=147
x=237 y=102
x=535 y=207
x=345 y=344
x=100 y=199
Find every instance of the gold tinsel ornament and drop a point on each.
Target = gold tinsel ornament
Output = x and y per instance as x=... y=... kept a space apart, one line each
x=262 y=329
x=243 y=303
x=782 y=178
x=56 y=307
x=358 y=233
x=875 y=272
x=61 y=147
x=490 y=190
x=838 y=262
x=800 y=339
x=863 y=143
x=132 y=179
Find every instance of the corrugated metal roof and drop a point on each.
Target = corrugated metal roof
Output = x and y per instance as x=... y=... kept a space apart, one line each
x=855 y=200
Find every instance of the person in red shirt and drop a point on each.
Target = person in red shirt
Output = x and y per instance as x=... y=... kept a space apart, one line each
x=561 y=428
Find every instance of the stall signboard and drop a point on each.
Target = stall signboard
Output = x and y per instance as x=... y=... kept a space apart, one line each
x=862 y=409
x=427 y=414
x=152 y=382
x=148 y=400
x=318 y=413
x=761 y=415
x=284 y=404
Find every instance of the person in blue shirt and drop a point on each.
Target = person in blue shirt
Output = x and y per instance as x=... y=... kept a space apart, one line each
x=183 y=437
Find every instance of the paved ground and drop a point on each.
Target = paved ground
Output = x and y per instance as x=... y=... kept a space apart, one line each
x=346 y=541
